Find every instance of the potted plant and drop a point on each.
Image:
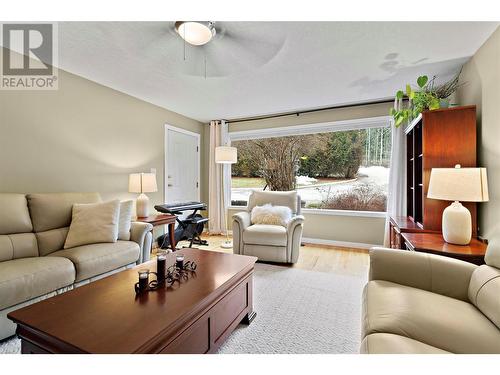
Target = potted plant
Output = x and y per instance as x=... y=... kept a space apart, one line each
x=426 y=97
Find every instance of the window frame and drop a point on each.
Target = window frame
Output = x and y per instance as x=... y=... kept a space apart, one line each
x=315 y=128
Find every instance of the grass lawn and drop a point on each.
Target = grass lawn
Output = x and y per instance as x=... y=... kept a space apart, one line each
x=247 y=182
x=257 y=182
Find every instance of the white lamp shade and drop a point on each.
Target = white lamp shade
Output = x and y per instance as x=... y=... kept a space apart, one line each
x=458 y=184
x=142 y=183
x=226 y=155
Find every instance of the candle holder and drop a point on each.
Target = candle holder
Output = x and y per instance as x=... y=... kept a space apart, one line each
x=181 y=271
x=179 y=261
x=161 y=266
x=143 y=284
x=165 y=277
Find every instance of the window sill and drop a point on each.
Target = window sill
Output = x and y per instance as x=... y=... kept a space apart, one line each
x=317 y=211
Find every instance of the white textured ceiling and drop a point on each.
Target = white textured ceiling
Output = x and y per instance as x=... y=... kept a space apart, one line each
x=257 y=68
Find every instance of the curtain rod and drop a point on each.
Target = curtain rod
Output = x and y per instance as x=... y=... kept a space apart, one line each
x=298 y=113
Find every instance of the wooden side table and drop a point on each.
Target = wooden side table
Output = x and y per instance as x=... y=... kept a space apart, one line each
x=403 y=224
x=435 y=244
x=162 y=219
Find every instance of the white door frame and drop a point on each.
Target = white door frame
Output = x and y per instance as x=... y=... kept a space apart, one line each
x=165 y=161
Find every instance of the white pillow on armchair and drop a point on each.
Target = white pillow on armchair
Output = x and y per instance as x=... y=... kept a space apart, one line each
x=271 y=215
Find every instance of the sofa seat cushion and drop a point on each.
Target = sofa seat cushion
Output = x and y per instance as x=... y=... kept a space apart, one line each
x=443 y=322
x=95 y=259
x=262 y=234
x=388 y=343
x=27 y=278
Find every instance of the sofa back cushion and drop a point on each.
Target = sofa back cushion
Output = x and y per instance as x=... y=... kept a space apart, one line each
x=16 y=241
x=125 y=220
x=484 y=292
x=276 y=198
x=51 y=217
x=18 y=245
x=53 y=210
x=14 y=214
x=51 y=240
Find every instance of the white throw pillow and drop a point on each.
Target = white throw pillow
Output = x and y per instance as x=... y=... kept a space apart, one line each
x=125 y=220
x=271 y=215
x=93 y=223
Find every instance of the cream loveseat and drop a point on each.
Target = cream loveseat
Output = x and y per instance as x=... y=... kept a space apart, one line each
x=33 y=264
x=272 y=243
x=424 y=303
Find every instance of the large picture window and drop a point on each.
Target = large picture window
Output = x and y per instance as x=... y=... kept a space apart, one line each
x=341 y=170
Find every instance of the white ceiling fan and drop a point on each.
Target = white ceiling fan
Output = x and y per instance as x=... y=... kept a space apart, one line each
x=224 y=48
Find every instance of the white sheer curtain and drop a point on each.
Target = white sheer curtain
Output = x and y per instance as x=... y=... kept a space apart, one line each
x=396 y=197
x=219 y=180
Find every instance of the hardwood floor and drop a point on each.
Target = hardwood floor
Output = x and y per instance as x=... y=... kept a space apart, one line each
x=340 y=260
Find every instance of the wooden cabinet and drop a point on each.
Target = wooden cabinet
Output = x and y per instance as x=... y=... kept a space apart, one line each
x=435 y=139
x=399 y=225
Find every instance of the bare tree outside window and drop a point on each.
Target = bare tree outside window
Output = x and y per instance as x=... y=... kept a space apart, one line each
x=279 y=160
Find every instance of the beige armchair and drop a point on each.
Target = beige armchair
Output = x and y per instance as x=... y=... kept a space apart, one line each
x=426 y=303
x=272 y=243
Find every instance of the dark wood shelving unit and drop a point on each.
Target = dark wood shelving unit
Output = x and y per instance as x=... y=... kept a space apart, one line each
x=435 y=139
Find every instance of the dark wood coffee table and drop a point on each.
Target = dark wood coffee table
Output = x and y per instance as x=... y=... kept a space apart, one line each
x=106 y=316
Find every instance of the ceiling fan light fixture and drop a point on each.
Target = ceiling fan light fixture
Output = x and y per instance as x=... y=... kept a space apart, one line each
x=196 y=33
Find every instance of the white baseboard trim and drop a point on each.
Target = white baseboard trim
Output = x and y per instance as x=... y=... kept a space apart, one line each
x=319 y=241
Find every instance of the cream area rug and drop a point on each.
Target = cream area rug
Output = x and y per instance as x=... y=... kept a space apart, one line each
x=298 y=311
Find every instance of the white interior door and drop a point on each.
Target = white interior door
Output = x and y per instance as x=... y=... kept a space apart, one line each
x=182 y=165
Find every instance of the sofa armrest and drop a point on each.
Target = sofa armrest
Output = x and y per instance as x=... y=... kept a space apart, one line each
x=241 y=221
x=141 y=234
x=294 y=233
x=434 y=273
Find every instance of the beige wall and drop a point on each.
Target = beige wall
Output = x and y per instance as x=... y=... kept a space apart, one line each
x=481 y=78
x=336 y=114
x=82 y=137
x=354 y=229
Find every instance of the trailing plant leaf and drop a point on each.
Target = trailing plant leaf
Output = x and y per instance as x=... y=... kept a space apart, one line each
x=422 y=81
x=399 y=94
x=408 y=90
x=434 y=104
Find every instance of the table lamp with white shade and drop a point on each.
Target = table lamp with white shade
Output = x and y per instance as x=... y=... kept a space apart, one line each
x=142 y=183
x=458 y=184
x=226 y=155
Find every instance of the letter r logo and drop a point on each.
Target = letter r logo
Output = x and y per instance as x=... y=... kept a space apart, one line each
x=36 y=44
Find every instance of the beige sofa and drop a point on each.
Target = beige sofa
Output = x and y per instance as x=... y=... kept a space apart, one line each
x=33 y=264
x=271 y=243
x=424 y=303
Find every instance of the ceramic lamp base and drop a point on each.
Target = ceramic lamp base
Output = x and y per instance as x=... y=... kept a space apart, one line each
x=457 y=224
x=227 y=244
x=142 y=206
